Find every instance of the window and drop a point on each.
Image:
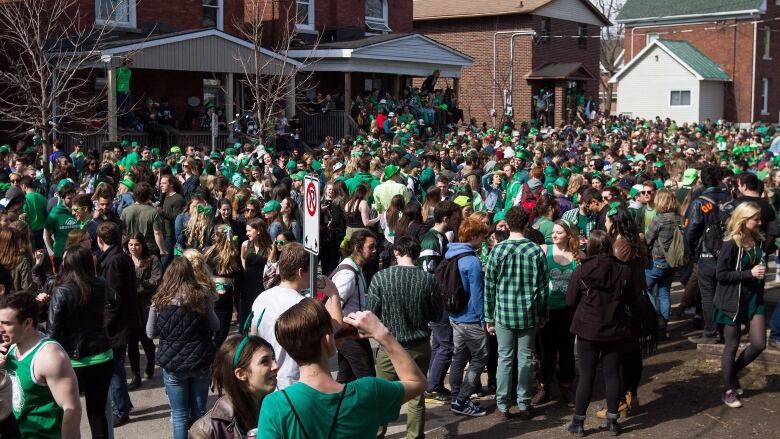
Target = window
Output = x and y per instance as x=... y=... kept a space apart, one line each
x=680 y=98
x=767 y=43
x=544 y=30
x=376 y=15
x=212 y=92
x=582 y=32
x=652 y=36
x=304 y=18
x=120 y=13
x=212 y=13
x=765 y=97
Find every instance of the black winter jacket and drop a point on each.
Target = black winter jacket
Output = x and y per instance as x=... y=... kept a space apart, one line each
x=696 y=218
x=118 y=269
x=730 y=278
x=81 y=327
x=185 y=340
x=599 y=291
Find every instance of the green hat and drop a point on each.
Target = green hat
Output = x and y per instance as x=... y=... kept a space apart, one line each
x=130 y=184
x=659 y=164
x=134 y=145
x=522 y=154
x=155 y=152
x=237 y=145
x=561 y=182
x=63 y=183
x=271 y=206
x=498 y=216
x=462 y=200
x=230 y=151
x=291 y=164
x=565 y=172
x=300 y=175
x=316 y=165
x=690 y=176
x=124 y=142
x=175 y=150
x=214 y=155
x=5 y=149
x=390 y=170
x=635 y=189
x=658 y=183
x=210 y=104
x=158 y=164
x=549 y=171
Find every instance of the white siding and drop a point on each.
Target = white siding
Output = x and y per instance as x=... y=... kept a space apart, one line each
x=414 y=48
x=711 y=100
x=645 y=88
x=571 y=10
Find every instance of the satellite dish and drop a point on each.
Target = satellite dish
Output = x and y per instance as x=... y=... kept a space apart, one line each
x=193 y=101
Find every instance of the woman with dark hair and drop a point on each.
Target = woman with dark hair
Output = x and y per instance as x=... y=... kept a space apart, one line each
x=411 y=223
x=289 y=217
x=244 y=372
x=148 y=272
x=630 y=249
x=599 y=291
x=15 y=259
x=334 y=227
x=78 y=304
x=271 y=277
x=254 y=255
x=546 y=211
x=356 y=211
x=182 y=315
x=224 y=215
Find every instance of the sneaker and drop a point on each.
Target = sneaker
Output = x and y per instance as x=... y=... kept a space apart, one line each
x=467 y=408
x=731 y=399
x=690 y=311
x=437 y=397
x=703 y=339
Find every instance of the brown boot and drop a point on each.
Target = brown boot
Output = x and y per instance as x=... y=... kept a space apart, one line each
x=622 y=410
x=632 y=401
x=542 y=395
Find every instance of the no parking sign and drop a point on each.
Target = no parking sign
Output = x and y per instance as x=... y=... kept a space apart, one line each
x=311 y=219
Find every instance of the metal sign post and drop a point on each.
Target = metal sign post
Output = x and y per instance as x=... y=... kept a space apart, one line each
x=214 y=131
x=311 y=226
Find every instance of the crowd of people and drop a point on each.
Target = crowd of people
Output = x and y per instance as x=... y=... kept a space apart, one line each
x=503 y=250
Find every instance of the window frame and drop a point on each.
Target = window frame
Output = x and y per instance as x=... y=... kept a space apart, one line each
x=545 y=29
x=765 y=96
x=767 y=44
x=374 y=24
x=690 y=98
x=582 y=33
x=651 y=36
x=131 y=16
x=309 y=25
x=220 y=19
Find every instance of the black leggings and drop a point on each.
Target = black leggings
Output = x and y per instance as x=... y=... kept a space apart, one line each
x=731 y=366
x=224 y=310
x=94 y=382
x=557 y=347
x=589 y=353
x=133 y=354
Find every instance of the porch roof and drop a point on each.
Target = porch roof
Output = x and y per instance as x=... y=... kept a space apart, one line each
x=205 y=50
x=563 y=71
x=400 y=54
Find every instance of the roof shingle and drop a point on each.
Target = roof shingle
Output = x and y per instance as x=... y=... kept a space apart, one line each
x=660 y=9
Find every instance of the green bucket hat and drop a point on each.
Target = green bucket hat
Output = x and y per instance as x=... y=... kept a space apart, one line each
x=561 y=182
x=291 y=164
x=130 y=184
x=390 y=170
x=300 y=175
x=316 y=165
x=214 y=155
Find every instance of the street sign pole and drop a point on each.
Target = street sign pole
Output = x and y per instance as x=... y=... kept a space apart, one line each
x=311 y=226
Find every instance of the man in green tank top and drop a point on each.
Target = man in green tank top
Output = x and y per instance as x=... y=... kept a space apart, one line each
x=45 y=391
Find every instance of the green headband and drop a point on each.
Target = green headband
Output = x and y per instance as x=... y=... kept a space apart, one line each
x=613 y=208
x=206 y=210
x=245 y=330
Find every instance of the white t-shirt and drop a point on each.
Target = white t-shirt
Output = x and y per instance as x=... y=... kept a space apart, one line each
x=271 y=304
x=353 y=294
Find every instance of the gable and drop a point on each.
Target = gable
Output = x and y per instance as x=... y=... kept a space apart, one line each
x=413 y=48
x=666 y=68
x=571 y=10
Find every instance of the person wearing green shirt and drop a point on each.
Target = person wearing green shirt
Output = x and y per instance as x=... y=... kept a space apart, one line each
x=58 y=224
x=34 y=207
x=546 y=209
x=318 y=406
x=45 y=399
x=123 y=75
x=515 y=306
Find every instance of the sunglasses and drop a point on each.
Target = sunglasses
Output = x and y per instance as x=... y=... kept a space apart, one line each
x=646 y=192
x=78 y=209
x=14 y=181
x=280 y=243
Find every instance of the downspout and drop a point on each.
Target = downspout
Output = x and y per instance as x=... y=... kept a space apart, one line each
x=495 y=55
x=512 y=64
x=753 y=79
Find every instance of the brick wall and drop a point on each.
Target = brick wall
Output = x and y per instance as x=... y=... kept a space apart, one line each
x=474 y=37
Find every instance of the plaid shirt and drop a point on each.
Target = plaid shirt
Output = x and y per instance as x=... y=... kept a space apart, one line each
x=571 y=216
x=515 y=284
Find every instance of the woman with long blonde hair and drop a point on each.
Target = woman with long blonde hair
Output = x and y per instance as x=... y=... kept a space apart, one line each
x=573 y=189
x=563 y=256
x=197 y=232
x=739 y=295
x=222 y=258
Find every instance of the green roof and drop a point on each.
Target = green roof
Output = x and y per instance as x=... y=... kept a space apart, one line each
x=699 y=62
x=666 y=9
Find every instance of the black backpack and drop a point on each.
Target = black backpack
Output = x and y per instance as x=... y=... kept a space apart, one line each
x=715 y=224
x=454 y=294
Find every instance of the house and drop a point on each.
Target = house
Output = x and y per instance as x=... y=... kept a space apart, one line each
x=672 y=79
x=736 y=35
x=521 y=49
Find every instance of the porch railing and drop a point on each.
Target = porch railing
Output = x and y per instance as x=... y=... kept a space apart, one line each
x=317 y=126
x=197 y=138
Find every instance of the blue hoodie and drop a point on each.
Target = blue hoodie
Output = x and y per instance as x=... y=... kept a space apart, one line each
x=471 y=276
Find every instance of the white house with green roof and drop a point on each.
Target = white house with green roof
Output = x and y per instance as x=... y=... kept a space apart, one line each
x=671 y=79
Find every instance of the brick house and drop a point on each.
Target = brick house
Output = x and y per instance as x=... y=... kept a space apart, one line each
x=734 y=34
x=519 y=48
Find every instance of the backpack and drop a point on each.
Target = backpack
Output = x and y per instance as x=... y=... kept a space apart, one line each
x=715 y=225
x=675 y=255
x=529 y=199
x=454 y=294
x=341 y=267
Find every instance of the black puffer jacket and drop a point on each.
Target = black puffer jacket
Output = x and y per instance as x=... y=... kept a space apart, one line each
x=80 y=327
x=185 y=340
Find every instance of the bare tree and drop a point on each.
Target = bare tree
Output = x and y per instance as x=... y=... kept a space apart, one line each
x=47 y=54
x=612 y=45
x=268 y=79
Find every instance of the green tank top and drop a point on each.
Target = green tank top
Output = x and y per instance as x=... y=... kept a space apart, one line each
x=559 y=281
x=35 y=410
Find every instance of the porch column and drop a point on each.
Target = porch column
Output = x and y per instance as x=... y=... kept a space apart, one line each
x=456 y=86
x=289 y=110
x=347 y=100
x=560 y=103
x=396 y=89
x=229 y=107
x=113 y=135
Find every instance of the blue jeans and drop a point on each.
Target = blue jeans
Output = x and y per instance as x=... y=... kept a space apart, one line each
x=188 y=396
x=441 y=354
x=774 y=324
x=120 y=396
x=170 y=241
x=507 y=339
x=470 y=340
x=660 y=275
